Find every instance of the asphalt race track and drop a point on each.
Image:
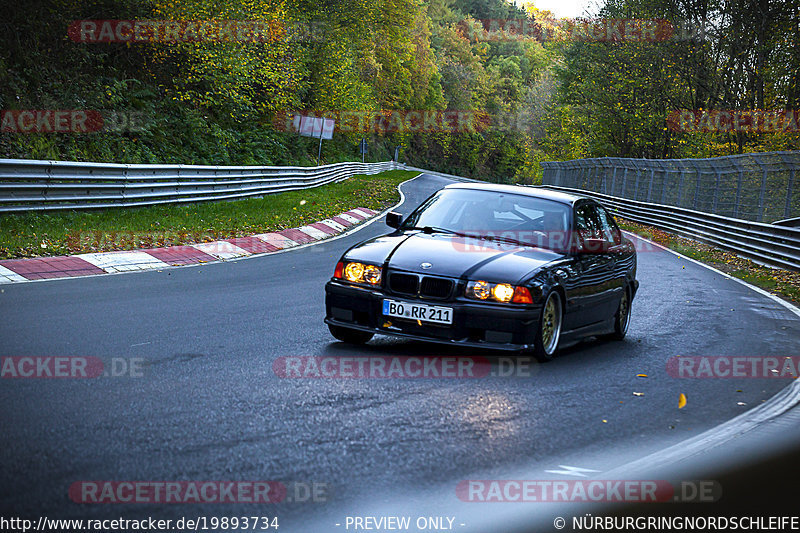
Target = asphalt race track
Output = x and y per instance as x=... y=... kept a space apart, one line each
x=207 y=405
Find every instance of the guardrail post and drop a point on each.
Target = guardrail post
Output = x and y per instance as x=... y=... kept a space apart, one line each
x=763 y=192
x=738 y=193
x=599 y=177
x=604 y=186
x=696 y=185
x=584 y=176
x=715 y=197
x=587 y=174
x=48 y=179
x=125 y=178
x=624 y=181
x=614 y=179
x=553 y=174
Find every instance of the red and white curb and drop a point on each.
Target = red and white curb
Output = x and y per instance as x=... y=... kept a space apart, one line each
x=21 y=270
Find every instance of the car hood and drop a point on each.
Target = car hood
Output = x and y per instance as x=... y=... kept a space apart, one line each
x=454 y=256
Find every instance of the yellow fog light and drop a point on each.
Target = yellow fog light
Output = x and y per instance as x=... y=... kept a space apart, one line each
x=503 y=292
x=354 y=272
x=479 y=289
x=372 y=274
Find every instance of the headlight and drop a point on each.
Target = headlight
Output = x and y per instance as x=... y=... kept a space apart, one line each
x=354 y=272
x=372 y=274
x=499 y=292
x=479 y=289
x=359 y=273
x=503 y=292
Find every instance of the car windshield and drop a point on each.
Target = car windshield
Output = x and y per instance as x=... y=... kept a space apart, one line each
x=489 y=215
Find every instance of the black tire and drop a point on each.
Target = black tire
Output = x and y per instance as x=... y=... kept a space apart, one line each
x=622 y=318
x=548 y=329
x=350 y=336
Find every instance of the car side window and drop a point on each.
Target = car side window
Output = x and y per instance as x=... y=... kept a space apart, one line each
x=588 y=223
x=610 y=229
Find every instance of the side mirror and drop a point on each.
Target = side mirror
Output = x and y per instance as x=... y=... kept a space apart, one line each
x=595 y=246
x=393 y=219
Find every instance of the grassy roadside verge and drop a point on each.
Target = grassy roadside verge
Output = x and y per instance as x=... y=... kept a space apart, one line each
x=783 y=283
x=38 y=234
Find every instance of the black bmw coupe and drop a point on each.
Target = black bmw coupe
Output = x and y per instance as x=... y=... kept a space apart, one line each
x=497 y=266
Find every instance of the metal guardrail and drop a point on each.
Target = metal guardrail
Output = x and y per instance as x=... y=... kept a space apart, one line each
x=791 y=222
x=440 y=174
x=762 y=186
x=29 y=185
x=769 y=244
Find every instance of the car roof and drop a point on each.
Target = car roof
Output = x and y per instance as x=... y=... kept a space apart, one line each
x=536 y=192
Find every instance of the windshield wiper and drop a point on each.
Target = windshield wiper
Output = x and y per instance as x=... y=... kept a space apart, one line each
x=434 y=229
x=507 y=240
x=494 y=238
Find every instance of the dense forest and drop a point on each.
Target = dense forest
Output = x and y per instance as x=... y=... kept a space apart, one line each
x=534 y=87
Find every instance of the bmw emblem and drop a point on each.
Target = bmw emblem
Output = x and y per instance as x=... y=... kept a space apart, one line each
x=426 y=266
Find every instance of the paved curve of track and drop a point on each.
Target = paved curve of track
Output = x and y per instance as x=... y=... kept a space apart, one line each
x=210 y=408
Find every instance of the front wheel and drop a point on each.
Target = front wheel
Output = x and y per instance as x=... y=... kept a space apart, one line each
x=549 y=328
x=350 y=336
x=622 y=317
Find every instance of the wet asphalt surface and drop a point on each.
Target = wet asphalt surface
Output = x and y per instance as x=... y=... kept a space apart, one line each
x=208 y=405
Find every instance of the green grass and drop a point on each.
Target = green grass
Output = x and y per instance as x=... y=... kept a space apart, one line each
x=37 y=234
x=699 y=254
x=773 y=284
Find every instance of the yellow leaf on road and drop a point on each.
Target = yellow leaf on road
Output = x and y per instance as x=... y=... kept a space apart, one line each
x=681 y=401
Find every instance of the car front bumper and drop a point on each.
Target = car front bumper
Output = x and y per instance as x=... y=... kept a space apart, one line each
x=480 y=325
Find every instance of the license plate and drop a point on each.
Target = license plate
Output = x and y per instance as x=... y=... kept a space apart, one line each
x=422 y=312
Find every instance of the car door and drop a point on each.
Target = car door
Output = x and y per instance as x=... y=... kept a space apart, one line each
x=590 y=290
x=620 y=258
